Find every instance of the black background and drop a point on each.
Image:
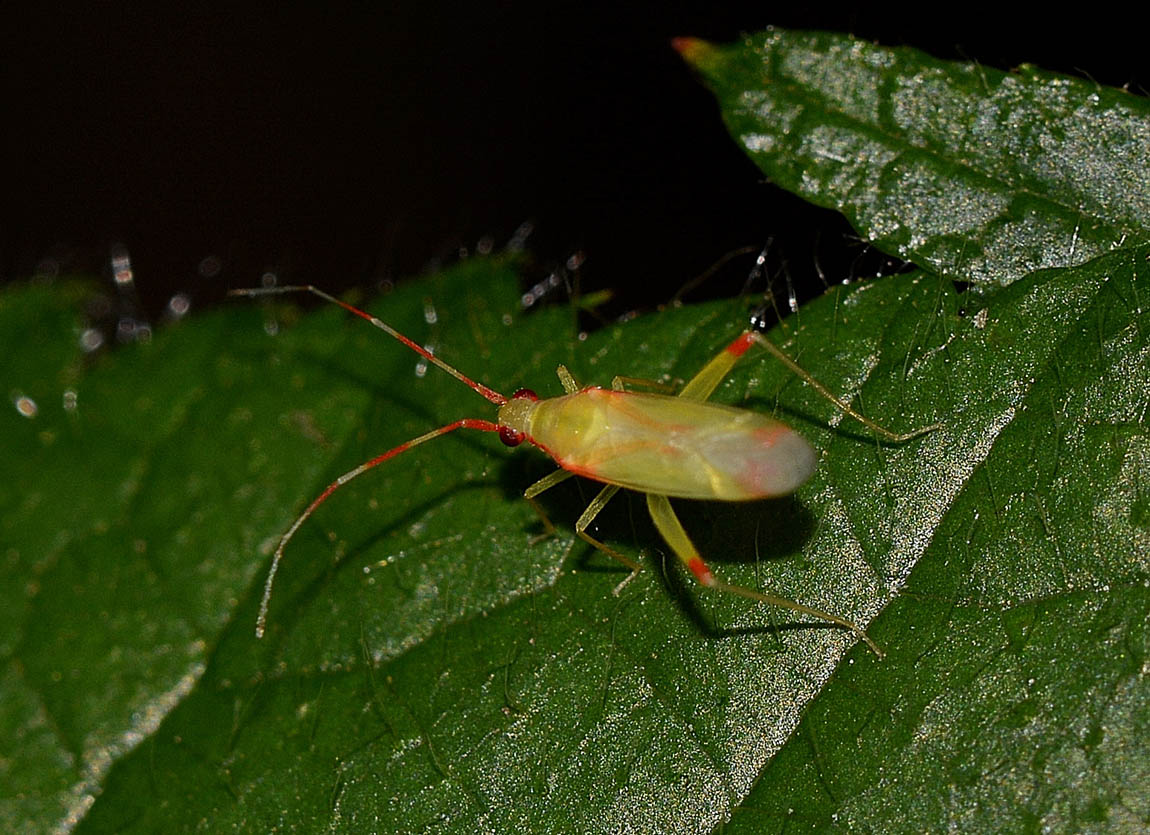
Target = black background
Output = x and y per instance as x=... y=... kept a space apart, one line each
x=345 y=147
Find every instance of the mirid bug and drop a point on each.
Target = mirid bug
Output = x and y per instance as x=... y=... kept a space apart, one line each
x=666 y=446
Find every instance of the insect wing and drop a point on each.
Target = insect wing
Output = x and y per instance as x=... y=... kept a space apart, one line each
x=672 y=446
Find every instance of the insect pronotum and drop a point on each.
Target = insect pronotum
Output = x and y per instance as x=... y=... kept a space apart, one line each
x=664 y=446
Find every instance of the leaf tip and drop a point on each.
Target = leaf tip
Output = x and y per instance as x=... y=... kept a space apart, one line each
x=695 y=51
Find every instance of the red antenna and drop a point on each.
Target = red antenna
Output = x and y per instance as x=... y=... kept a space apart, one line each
x=492 y=395
x=466 y=423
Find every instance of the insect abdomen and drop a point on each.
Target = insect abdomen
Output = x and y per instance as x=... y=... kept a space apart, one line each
x=672 y=446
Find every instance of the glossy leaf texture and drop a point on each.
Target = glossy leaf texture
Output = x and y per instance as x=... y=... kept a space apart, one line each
x=974 y=173
x=429 y=667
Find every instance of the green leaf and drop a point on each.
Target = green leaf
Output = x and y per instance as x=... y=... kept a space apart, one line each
x=972 y=172
x=430 y=666
x=427 y=665
x=1015 y=697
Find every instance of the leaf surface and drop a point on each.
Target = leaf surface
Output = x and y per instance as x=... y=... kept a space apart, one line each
x=430 y=666
x=971 y=172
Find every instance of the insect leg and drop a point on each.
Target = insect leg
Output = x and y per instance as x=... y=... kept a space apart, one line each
x=669 y=526
x=545 y=483
x=568 y=381
x=617 y=384
x=585 y=520
x=795 y=368
x=625 y=383
x=703 y=384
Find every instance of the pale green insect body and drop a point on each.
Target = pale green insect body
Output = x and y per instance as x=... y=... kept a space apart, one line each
x=687 y=449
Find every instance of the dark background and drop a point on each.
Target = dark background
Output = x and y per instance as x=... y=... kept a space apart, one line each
x=342 y=147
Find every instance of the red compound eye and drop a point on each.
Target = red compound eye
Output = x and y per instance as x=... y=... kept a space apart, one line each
x=509 y=436
x=525 y=394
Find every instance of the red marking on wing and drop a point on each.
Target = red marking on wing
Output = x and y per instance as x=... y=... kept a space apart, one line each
x=567 y=465
x=756 y=471
x=628 y=404
x=625 y=403
x=768 y=472
x=591 y=467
